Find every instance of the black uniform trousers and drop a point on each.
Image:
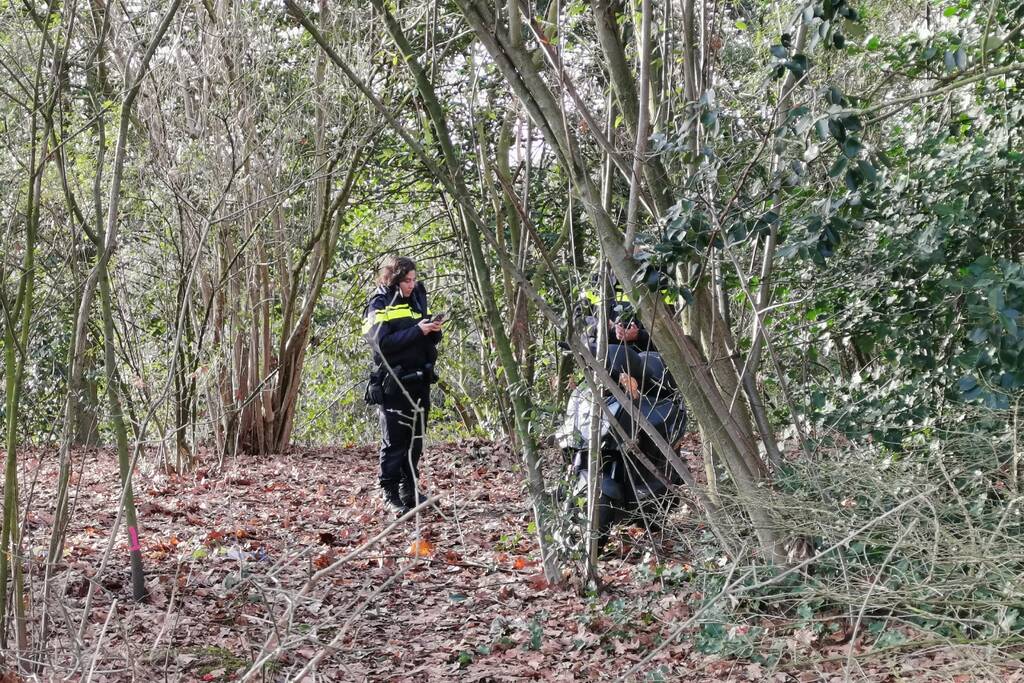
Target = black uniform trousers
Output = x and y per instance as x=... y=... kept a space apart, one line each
x=402 y=427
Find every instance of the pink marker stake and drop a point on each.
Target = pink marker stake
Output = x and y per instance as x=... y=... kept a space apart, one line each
x=133 y=535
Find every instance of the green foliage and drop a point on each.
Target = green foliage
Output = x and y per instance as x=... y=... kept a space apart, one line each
x=993 y=355
x=897 y=222
x=743 y=642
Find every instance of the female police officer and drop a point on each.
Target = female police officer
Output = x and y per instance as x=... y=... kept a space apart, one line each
x=404 y=341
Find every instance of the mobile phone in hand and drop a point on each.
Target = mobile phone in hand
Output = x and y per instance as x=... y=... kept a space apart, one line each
x=439 y=317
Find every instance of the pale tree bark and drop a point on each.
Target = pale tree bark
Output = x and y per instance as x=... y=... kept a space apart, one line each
x=105 y=238
x=620 y=76
x=107 y=244
x=271 y=264
x=642 y=126
x=594 y=463
x=82 y=416
x=95 y=85
x=748 y=370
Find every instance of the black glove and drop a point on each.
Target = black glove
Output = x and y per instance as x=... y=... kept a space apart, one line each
x=430 y=373
x=374 y=393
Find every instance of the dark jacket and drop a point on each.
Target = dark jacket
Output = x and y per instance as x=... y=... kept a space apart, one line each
x=390 y=327
x=619 y=310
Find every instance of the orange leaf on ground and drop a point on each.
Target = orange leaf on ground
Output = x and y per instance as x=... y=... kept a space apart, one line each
x=323 y=560
x=164 y=547
x=214 y=537
x=520 y=563
x=537 y=582
x=421 y=547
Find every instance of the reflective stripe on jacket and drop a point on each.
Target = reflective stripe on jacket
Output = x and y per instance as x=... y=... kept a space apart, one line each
x=390 y=327
x=620 y=308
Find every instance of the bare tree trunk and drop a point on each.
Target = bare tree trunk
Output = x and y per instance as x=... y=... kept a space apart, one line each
x=640 y=148
x=107 y=244
x=271 y=266
x=95 y=80
x=758 y=334
x=681 y=354
x=121 y=435
x=606 y=20
x=594 y=464
x=17 y=314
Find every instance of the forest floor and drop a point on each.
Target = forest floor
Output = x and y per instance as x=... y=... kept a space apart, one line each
x=456 y=594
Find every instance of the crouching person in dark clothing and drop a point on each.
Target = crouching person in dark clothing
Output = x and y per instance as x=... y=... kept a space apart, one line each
x=404 y=340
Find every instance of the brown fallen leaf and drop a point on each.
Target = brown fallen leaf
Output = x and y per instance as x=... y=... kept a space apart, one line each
x=324 y=560
x=537 y=582
x=213 y=537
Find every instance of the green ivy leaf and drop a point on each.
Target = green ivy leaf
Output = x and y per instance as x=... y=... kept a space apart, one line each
x=961 y=58
x=867 y=170
x=949 y=60
x=838 y=167
x=836 y=128
x=798 y=65
x=852 y=147
x=853 y=180
x=978 y=335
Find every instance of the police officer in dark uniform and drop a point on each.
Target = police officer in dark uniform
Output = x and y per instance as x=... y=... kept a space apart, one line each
x=624 y=325
x=630 y=347
x=404 y=340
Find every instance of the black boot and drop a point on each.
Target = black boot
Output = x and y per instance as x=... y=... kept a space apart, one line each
x=411 y=497
x=392 y=500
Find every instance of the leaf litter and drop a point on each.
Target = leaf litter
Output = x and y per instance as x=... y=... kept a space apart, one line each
x=457 y=593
